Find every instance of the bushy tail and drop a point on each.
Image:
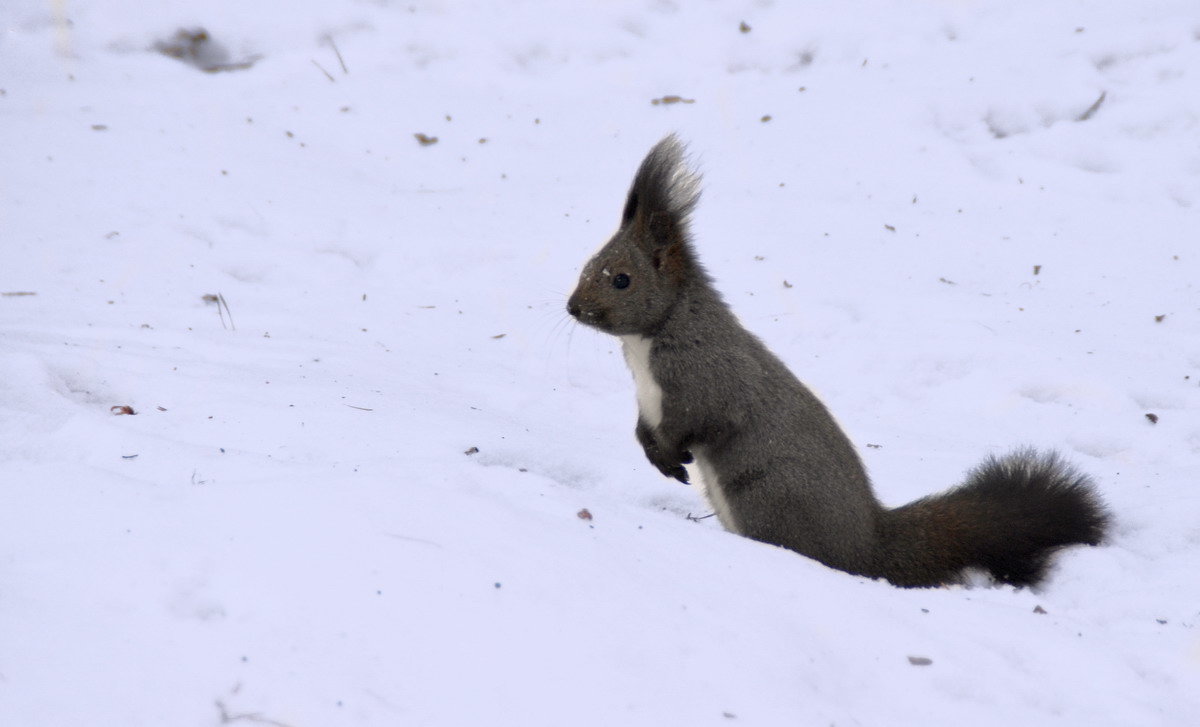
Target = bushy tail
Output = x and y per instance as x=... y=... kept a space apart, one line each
x=1008 y=518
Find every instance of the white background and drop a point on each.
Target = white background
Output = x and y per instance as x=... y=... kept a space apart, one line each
x=301 y=540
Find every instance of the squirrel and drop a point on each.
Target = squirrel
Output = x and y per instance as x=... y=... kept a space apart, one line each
x=773 y=463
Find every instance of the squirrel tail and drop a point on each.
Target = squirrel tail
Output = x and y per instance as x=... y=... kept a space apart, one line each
x=1008 y=518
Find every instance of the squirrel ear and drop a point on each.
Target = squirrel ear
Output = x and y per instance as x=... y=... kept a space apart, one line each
x=662 y=232
x=631 y=205
x=662 y=197
x=667 y=245
x=671 y=259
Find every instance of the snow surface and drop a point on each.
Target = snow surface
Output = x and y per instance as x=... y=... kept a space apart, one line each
x=289 y=530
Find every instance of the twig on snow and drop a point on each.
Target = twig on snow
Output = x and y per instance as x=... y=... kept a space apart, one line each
x=318 y=65
x=227 y=718
x=1093 y=108
x=338 y=53
x=221 y=302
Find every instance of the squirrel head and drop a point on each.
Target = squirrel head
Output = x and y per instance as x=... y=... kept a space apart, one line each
x=632 y=283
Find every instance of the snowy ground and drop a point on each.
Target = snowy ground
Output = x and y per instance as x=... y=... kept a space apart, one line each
x=290 y=531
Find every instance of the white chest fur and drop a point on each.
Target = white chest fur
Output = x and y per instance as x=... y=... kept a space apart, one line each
x=710 y=487
x=649 y=398
x=649 y=393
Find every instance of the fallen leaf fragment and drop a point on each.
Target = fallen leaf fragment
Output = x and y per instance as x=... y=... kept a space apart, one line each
x=122 y=409
x=584 y=514
x=919 y=660
x=425 y=140
x=196 y=47
x=670 y=99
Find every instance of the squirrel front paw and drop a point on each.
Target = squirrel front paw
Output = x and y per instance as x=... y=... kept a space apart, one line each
x=671 y=466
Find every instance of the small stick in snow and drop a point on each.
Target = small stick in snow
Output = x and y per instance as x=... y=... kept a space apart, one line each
x=221 y=302
x=1093 y=108
x=411 y=539
x=360 y=408
x=338 y=53
x=227 y=718
x=318 y=65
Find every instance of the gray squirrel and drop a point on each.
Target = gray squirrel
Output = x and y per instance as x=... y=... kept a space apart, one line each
x=775 y=465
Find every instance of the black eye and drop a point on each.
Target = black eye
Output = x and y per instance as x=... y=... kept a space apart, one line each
x=620 y=281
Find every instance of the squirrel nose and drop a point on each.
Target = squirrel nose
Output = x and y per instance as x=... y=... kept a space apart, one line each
x=573 y=305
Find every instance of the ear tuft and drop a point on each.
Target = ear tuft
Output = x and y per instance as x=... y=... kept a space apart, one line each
x=665 y=187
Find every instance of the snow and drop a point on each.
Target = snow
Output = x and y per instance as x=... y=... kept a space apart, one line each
x=290 y=531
